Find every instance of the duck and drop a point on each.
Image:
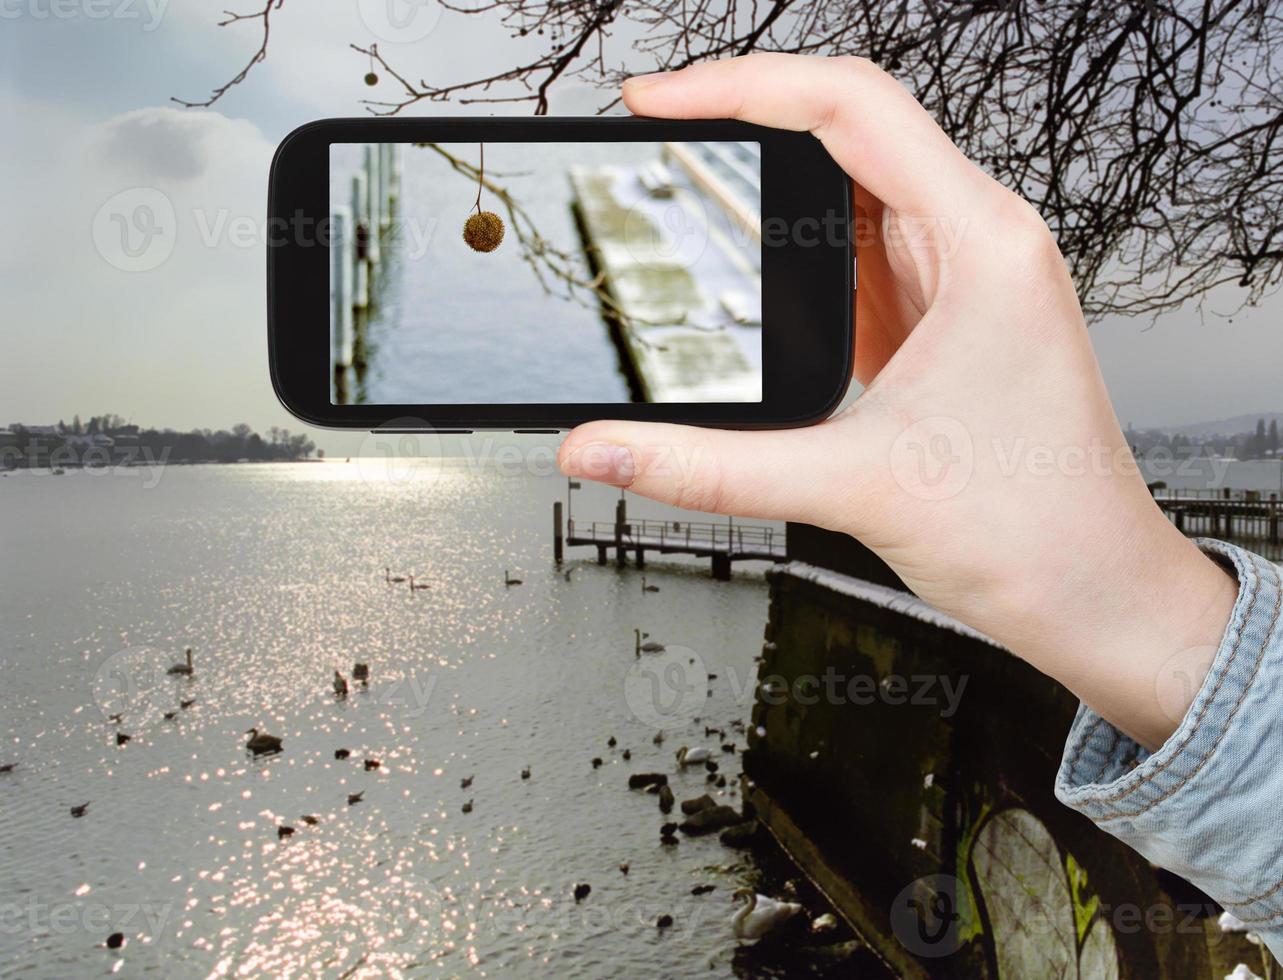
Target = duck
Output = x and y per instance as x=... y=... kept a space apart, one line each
x=8 y=767
x=417 y=587
x=596 y=762
x=260 y=743
x=354 y=798
x=183 y=669
x=623 y=868
x=123 y=739
x=80 y=810
x=187 y=703
x=466 y=781
x=659 y=738
x=340 y=685
x=691 y=757
x=361 y=672
x=760 y=914
x=648 y=588
x=648 y=646
x=283 y=831
x=611 y=742
x=665 y=921
x=372 y=764
x=627 y=754
x=467 y=807
x=342 y=753
x=310 y=820
x=582 y=891
x=525 y=773
x=171 y=715
x=509 y=580
x=391 y=579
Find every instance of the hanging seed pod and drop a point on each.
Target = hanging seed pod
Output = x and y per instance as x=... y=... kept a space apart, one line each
x=371 y=78
x=483 y=231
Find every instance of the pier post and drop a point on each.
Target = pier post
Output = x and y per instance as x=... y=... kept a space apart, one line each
x=374 y=204
x=1274 y=517
x=1229 y=522
x=721 y=566
x=641 y=557
x=342 y=259
x=556 y=532
x=621 y=515
x=361 y=238
x=601 y=554
x=385 y=186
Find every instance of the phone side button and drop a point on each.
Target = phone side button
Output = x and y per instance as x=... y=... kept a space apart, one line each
x=537 y=432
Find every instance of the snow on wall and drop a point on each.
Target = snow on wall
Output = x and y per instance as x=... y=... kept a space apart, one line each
x=882 y=596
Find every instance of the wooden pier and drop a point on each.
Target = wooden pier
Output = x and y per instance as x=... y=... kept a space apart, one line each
x=722 y=544
x=357 y=233
x=1242 y=515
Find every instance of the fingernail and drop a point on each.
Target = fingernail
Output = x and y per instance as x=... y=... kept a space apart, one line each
x=645 y=81
x=602 y=462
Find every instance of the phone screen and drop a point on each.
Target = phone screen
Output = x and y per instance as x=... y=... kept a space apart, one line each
x=545 y=272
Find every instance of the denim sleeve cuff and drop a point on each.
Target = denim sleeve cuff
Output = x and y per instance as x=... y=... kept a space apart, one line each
x=1208 y=804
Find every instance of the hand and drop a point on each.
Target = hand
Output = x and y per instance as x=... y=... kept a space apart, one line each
x=983 y=462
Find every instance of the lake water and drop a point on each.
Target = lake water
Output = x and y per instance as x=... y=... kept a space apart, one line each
x=275 y=575
x=454 y=325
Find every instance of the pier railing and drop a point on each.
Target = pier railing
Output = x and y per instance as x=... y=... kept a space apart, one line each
x=1250 y=515
x=684 y=535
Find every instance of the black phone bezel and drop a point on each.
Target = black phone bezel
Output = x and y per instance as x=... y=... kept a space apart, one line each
x=808 y=287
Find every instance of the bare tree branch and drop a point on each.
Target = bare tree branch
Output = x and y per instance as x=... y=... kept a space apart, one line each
x=1148 y=133
x=264 y=15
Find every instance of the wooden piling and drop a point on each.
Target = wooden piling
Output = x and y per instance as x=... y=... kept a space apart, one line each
x=1274 y=517
x=721 y=566
x=557 y=539
x=385 y=186
x=342 y=260
x=621 y=515
x=361 y=237
x=374 y=205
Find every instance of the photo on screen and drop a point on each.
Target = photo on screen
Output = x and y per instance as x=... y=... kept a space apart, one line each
x=572 y=273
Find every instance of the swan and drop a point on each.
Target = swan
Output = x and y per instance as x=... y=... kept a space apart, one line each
x=760 y=914
x=650 y=646
x=391 y=579
x=340 y=685
x=417 y=588
x=648 y=588
x=183 y=670
x=509 y=580
x=691 y=757
x=261 y=743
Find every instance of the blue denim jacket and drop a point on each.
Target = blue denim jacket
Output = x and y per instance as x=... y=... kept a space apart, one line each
x=1208 y=804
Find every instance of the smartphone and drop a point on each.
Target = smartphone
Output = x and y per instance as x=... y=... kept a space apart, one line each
x=457 y=274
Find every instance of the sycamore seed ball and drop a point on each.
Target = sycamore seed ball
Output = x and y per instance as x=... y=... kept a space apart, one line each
x=483 y=231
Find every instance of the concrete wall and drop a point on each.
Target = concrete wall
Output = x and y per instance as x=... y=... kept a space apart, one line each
x=907 y=764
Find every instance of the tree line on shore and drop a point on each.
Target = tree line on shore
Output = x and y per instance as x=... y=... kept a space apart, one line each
x=109 y=439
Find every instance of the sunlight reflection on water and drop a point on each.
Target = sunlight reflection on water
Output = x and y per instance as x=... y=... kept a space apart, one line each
x=275 y=576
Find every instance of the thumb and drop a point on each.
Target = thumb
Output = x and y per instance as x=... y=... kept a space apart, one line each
x=789 y=474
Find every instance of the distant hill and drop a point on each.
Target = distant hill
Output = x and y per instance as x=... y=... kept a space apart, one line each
x=1238 y=425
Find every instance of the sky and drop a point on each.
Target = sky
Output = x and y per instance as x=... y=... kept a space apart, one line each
x=85 y=90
